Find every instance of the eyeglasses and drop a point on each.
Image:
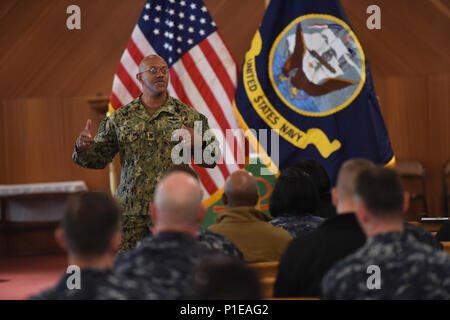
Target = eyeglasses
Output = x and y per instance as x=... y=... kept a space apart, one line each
x=154 y=70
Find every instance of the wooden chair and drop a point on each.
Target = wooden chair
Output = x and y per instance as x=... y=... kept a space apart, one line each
x=413 y=176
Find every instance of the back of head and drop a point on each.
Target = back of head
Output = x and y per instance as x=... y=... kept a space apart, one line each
x=294 y=194
x=317 y=173
x=381 y=191
x=225 y=278
x=182 y=168
x=347 y=175
x=178 y=199
x=90 y=220
x=241 y=190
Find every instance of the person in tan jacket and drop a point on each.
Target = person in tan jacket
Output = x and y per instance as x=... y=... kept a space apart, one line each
x=246 y=226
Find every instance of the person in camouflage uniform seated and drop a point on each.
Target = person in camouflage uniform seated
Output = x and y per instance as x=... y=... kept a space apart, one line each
x=90 y=233
x=402 y=267
x=141 y=133
x=165 y=260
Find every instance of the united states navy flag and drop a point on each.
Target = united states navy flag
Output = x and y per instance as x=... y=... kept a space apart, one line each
x=306 y=76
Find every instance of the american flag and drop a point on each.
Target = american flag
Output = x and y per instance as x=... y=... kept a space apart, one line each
x=203 y=73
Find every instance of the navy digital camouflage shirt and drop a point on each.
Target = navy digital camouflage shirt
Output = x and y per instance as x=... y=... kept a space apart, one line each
x=98 y=284
x=165 y=262
x=408 y=270
x=297 y=225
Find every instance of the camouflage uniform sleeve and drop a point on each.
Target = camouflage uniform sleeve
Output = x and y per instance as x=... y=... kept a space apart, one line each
x=102 y=151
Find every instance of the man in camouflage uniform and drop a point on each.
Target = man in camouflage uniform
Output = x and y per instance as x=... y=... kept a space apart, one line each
x=392 y=264
x=165 y=261
x=141 y=132
x=90 y=233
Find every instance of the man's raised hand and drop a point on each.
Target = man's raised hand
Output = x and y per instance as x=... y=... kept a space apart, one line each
x=85 y=140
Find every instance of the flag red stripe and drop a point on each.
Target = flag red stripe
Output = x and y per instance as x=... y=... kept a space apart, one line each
x=206 y=180
x=218 y=68
x=115 y=102
x=134 y=51
x=127 y=81
x=224 y=169
x=178 y=87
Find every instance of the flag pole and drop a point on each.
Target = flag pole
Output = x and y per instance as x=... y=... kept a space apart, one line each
x=112 y=167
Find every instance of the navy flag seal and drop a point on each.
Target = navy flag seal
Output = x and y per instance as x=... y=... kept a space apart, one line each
x=306 y=76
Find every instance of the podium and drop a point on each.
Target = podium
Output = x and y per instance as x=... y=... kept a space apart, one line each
x=29 y=213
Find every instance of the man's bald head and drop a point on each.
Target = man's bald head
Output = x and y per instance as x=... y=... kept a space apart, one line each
x=150 y=61
x=178 y=200
x=241 y=189
x=346 y=180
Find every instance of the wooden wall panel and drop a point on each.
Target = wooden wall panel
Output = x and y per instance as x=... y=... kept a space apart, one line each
x=416 y=112
x=38 y=138
x=237 y=21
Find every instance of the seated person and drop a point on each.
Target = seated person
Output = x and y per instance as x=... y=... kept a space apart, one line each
x=90 y=233
x=166 y=259
x=319 y=175
x=225 y=278
x=246 y=226
x=310 y=256
x=206 y=237
x=392 y=264
x=293 y=201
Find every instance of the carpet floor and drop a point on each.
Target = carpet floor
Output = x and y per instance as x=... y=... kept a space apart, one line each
x=21 y=277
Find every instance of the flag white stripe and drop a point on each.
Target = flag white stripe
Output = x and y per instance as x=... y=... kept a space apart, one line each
x=224 y=56
x=130 y=66
x=171 y=89
x=121 y=91
x=141 y=42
